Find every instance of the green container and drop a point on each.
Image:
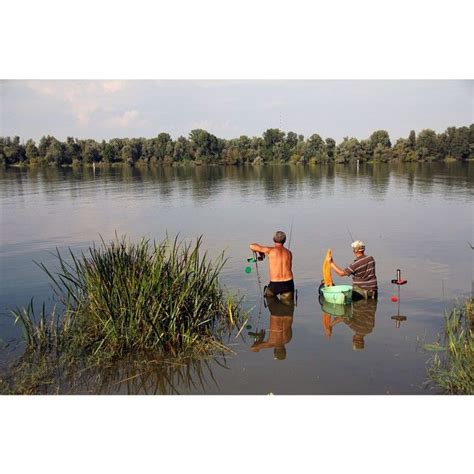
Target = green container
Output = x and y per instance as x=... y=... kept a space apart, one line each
x=344 y=310
x=338 y=294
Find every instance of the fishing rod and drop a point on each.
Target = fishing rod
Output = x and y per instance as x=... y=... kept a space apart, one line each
x=291 y=232
x=289 y=247
x=350 y=235
x=255 y=259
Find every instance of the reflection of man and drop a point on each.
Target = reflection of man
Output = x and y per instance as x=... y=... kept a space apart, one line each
x=279 y=332
x=279 y=267
x=362 y=321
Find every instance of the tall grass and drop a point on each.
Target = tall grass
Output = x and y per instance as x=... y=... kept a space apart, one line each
x=122 y=297
x=451 y=369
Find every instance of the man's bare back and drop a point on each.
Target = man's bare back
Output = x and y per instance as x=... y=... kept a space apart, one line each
x=280 y=260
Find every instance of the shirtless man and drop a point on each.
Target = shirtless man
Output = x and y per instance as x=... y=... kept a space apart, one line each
x=279 y=266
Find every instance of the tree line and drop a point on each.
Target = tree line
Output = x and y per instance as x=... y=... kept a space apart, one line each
x=273 y=146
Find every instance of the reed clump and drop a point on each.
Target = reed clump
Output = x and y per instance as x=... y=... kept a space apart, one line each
x=451 y=369
x=123 y=297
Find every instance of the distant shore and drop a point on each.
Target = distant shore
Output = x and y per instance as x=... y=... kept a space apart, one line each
x=192 y=164
x=274 y=146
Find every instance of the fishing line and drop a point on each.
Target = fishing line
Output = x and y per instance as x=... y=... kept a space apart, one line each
x=289 y=248
x=291 y=232
x=350 y=235
x=260 y=291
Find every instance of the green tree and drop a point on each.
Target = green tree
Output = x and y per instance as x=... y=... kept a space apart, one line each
x=55 y=152
x=427 y=145
x=379 y=137
x=127 y=154
x=458 y=142
x=12 y=151
x=411 y=143
x=72 y=151
x=203 y=144
x=331 y=148
x=108 y=153
x=401 y=149
x=44 y=144
x=90 y=151
x=349 y=150
x=316 y=149
x=378 y=145
x=291 y=140
x=382 y=153
x=160 y=144
x=181 y=150
x=31 y=151
x=273 y=144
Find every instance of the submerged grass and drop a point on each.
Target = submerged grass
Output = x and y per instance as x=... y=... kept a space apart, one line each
x=451 y=369
x=123 y=298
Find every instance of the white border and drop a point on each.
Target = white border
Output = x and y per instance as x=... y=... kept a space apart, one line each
x=232 y=40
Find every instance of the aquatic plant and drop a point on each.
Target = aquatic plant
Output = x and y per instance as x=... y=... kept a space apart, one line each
x=451 y=369
x=124 y=297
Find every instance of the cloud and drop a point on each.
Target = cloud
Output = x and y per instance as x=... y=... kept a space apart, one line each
x=127 y=119
x=99 y=109
x=113 y=86
x=83 y=98
x=216 y=127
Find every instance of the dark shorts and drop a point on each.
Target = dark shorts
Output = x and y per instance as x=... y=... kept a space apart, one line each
x=279 y=287
x=359 y=292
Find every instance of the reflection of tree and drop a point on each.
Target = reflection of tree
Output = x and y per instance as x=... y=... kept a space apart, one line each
x=279 y=182
x=380 y=179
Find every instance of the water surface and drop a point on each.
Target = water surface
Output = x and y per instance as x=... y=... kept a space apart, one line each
x=416 y=217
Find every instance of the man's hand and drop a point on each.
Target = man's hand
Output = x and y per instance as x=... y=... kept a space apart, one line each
x=260 y=248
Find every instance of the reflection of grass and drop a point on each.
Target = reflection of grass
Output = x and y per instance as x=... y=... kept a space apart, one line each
x=134 y=374
x=452 y=367
x=123 y=298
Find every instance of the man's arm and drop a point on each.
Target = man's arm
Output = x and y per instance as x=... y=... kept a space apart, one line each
x=260 y=248
x=338 y=270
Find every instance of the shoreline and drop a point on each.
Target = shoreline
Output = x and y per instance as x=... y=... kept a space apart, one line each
x=192 y=164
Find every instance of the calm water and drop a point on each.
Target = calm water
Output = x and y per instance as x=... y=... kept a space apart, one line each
x=416 y=217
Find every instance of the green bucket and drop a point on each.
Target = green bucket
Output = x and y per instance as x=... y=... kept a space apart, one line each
x=344 y=310
x=338 y=294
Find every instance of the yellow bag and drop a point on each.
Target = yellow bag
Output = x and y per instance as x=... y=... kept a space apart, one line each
x=327 y=269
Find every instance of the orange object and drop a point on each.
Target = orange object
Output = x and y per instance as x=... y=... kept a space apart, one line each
x=327 y=269
x=327 y=325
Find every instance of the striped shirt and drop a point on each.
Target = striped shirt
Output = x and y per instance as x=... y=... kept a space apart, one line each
x=362 y=270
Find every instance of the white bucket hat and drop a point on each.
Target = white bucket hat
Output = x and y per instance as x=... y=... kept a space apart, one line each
x=358 y=244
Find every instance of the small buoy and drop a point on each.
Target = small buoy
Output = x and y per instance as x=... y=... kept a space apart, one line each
x=248 y=269
x=394 y=299
x=249 y=326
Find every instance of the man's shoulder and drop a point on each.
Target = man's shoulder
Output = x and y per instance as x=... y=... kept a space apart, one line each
x=361 y=261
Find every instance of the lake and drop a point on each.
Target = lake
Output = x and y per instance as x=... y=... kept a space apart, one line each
x=417 y=217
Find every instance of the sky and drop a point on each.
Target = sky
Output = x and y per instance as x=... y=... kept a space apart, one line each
x=104 y=109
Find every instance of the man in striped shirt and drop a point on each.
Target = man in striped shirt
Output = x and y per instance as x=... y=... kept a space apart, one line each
x=362 y=270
